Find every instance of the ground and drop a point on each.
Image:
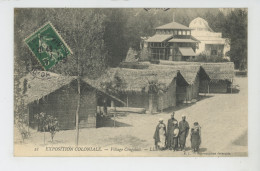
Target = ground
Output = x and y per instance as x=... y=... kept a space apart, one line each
x=222 y=117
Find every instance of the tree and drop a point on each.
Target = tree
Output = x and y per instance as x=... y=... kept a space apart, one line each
x=237 y=32
x=115 y=35
x=82 y=30
x=21 y=117
x=115 y=86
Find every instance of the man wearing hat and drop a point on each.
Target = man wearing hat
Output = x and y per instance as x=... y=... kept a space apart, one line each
x=160 y=135
x=184 y=131
x=170 y=131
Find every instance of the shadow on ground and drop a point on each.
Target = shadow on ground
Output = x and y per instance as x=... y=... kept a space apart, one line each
x=181 y=106
x=110 y=122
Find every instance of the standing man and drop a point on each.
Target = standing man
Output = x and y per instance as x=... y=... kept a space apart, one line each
x=170 y=133
x=184 y=131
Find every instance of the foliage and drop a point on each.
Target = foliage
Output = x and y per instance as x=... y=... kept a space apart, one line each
x=133 y=65
x=203 y=57
x=82 y=30
x=114 y=86
x=232 y=25
x=23 y=129
x=237 y=32
x=47 y=123
x=144 y=55
x=115 y=35
x=155 y=87
x=20 y=111
x=102 y=37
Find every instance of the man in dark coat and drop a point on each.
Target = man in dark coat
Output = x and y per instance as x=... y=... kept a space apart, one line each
x=170 y=129
x=184 y=131
x=160 y=135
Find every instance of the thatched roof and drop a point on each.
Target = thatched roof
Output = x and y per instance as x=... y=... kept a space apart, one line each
x=134 y=65
x=38 y=87
x=219 y=71
x=108 y=76
x=136 y=80
x=189 y=72
x=215 y=71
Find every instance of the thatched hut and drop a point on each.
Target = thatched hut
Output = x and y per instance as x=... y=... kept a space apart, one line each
x=136 y=89
x=57 y=95
x=193 y=74
x=221 y=77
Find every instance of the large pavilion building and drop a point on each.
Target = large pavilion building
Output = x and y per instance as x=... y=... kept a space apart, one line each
x=211 y=43
x=172 y=41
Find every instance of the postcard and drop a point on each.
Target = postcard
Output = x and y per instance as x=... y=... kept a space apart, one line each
x=128 y=82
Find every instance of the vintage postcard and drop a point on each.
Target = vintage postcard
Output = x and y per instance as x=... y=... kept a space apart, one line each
x=154 y=82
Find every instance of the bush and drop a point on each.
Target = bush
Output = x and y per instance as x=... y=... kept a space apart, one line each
x=47 y=123
x=203 y=57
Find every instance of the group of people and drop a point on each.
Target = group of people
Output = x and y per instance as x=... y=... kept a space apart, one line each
x=174 y=137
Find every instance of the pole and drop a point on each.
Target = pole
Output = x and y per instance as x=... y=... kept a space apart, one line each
x=114 y=119
x=231 y=85
x=78 y=105
x=77 y=113
x=127 y=100
x=208 y=87
x=28 y=117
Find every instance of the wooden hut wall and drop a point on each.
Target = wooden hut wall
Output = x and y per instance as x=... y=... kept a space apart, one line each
x=203 y=86
x=138 y=100
x=168 y=99
x=193 y=89
x=189 y=93
x=181 y=93
x=220 y=86
x=61 y=104
x=88 y=107
x=196 y=87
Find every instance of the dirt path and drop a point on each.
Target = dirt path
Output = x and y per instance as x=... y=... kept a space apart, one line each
x=223 y=118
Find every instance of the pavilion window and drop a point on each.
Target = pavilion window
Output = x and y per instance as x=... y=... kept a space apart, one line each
x=179 y=33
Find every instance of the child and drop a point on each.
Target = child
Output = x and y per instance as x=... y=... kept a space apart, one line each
x=175 y=135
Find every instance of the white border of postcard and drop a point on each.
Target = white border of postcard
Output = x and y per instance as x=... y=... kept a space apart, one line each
x=8 y=162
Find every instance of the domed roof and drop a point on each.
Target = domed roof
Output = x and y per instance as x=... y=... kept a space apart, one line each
x=199 y=24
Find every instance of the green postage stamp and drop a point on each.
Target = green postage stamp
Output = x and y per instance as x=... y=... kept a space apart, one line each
x=48 y=46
